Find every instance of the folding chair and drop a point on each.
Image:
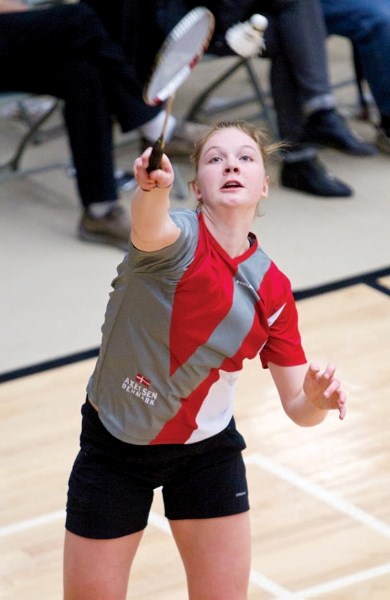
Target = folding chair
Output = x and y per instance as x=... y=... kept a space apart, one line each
x=13 y=164
x=202 y=107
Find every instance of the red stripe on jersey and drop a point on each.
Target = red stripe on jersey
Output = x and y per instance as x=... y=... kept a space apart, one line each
x=181 y=427
x=207 y=284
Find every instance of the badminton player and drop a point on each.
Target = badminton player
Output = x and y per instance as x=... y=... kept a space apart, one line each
x=194 y=297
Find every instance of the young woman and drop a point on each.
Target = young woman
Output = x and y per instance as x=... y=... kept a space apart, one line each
x=194 y=297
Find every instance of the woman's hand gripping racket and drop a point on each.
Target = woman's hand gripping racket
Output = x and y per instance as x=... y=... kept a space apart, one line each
x=179 y=54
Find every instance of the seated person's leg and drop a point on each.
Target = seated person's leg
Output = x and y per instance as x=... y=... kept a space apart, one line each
x=301 y=170
x=302 y=41
x=64 y=52
x=367 y=24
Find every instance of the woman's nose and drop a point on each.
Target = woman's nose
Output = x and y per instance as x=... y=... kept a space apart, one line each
x=231 y=167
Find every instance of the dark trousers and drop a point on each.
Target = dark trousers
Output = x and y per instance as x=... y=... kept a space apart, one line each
x=296 y=44
x=65 y=52
x=367 y=25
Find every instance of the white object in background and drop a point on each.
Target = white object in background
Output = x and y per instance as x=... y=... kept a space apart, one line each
x=247 y=39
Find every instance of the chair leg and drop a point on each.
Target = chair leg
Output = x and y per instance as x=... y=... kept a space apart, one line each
x=199 y=105
x=13 y=163
x=363 y=100
x=266 y=112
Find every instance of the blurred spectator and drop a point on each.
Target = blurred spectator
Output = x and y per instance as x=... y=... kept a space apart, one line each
x=367 y=25
x=64 y=51
x=305 y=106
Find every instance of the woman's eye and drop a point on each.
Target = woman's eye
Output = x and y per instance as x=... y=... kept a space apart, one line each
x=214 y=159
x=246 y=157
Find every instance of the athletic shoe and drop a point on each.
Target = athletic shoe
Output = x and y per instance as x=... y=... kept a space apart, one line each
x=113 y=228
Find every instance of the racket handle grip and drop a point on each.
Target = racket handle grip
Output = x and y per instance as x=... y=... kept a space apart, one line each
x=156 y=155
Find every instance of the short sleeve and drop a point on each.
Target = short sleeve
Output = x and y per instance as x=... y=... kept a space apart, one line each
x=283 y=346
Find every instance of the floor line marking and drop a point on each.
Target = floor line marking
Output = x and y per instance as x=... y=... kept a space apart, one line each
x=319 y=493
x=21 y=526
x=273 y=588
x=347 y=581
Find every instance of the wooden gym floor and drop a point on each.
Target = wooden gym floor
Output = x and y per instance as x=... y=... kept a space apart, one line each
x=320 y=497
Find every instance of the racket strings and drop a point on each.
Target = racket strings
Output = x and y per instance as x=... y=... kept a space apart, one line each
x=179 y=54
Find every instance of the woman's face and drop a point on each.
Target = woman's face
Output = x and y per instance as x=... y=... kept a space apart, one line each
x=231 y=171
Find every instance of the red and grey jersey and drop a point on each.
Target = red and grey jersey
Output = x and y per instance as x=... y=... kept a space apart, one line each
x=179 y=323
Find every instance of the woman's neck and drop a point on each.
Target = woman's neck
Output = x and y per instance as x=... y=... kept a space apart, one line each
x=230 y=232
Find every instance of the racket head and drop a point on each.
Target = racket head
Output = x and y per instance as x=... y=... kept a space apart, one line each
x=179 y=54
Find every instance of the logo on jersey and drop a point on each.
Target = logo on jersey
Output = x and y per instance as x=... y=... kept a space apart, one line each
x=139 y=387
x=142 y=380
x=244 y=284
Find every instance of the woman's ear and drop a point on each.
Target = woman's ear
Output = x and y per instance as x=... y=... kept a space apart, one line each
x=196 y=190
x=264 y=193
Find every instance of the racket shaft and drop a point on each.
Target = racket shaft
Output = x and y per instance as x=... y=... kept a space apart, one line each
x=156 y=155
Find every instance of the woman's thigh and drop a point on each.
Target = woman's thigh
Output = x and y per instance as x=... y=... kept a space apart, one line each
x=98 y=569
x=216 y=556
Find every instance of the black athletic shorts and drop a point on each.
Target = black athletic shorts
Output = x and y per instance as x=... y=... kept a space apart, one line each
x=111 y=484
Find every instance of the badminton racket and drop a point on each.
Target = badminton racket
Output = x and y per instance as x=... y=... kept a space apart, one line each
x=177 y=57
